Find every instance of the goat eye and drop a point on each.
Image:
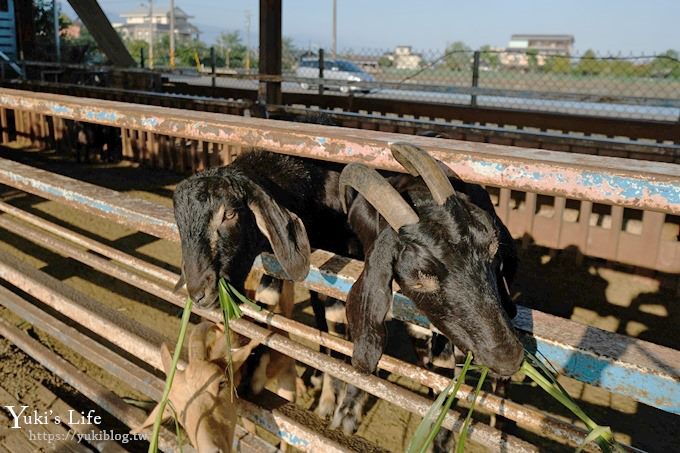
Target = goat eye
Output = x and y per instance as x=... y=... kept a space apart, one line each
x=230 y=214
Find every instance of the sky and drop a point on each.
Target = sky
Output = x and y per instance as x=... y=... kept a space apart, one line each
x=626 y=26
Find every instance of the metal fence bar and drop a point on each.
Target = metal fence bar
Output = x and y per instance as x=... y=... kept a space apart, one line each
x=623 y=365
x=652 y=186
x=96 y=392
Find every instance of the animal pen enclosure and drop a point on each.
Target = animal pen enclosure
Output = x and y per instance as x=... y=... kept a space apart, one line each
x=620 y=210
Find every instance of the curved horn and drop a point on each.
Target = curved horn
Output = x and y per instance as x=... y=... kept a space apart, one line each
x=418 y=162
x=379 y=193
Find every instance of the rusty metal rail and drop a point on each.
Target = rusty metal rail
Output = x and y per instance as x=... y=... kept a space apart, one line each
x=641 y=370
x=652 y=186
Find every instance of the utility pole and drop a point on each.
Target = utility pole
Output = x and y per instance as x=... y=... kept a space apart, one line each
x=172 y=34
x=57 y=37
x=150 y=34
x=247 y=40
x=335 y=29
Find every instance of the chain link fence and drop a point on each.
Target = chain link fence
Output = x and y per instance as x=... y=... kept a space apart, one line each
x=637 y=86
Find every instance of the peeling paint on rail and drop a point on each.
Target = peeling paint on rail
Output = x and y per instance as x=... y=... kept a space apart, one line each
x=625 y=182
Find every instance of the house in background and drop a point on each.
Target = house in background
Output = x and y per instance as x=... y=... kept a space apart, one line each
x=561 y=45
x=139 y=25
x=403 y=57
x=527 y=50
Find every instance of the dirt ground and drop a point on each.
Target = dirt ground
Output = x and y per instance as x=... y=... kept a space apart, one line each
x=613 y=298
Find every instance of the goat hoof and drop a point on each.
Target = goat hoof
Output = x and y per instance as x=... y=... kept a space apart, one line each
x=346 y=421
x=326 y=406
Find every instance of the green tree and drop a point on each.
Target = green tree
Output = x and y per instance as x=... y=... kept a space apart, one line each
x=385 y=62
x=458 y=56
x=589 y=64
x=488 y=57
x=289 y=53
x=557 y=65
x=666 y=65
x=231 y=49
x=532 y=57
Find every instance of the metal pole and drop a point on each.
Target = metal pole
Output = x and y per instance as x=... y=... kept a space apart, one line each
x=141 y=57
x=151 y=34
x=57 y=40
x=172 y=34
x=213 y=63
x=247 y=40
x=321 y=67
x=475 y=77
x=335 y=28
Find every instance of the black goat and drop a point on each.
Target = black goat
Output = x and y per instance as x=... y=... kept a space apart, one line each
x=445 y=248
x=261 y=202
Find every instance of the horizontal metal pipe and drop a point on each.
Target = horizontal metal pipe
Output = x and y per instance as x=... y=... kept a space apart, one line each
x=642 y=184
x=95 y=246
x=151 y=386
x=529 y=418
x=96 y=353
x=96 y=392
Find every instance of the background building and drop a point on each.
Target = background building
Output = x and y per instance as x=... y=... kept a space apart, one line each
x=138 y=24
x=545 y=44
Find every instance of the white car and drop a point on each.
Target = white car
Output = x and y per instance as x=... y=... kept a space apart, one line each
x=337 y=74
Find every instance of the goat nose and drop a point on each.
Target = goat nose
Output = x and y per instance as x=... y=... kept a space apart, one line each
x=199 y=286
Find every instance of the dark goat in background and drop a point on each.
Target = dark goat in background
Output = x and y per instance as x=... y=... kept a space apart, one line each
x=90 y=137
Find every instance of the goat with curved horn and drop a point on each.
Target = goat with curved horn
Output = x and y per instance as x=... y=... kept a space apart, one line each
x=419 y=163
x=379 y=193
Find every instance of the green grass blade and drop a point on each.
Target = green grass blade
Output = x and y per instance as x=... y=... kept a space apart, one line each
x=241 y=297
x=548 y=382
x=420 y=445
x=186 y=314
x=178 y=431
x=425 y=426
x=460 y=446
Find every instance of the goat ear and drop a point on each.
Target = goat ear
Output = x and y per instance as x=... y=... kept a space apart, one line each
x=285 y=232
x=369 y=300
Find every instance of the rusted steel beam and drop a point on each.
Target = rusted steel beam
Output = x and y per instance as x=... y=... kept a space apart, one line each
x=134 y=212
x=101 y=356
x=653 y=382
x=653 y=149
x=531 y=419
x=96 y=392
x=104 y=250
x=635 y=184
